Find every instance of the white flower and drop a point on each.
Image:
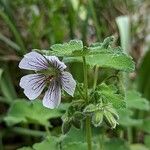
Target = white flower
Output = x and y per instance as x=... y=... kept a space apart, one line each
x=49 y=71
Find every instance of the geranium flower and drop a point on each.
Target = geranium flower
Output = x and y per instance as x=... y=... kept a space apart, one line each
x=49 y=71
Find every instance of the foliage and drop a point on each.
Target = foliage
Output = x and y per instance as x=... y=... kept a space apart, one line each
x=18 y=114
x=110 y=107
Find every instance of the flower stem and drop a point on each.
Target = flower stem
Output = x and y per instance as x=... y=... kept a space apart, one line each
x=88 y=133
x=47 y=130
x=85 y=79
x=88 y=121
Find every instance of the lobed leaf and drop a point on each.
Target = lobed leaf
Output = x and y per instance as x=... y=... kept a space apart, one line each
x=135 y=100
x=114 y=60
x=101 y=54
x=21 y=111
x=73 y=47
x=126 y=119
x=75 y=146
x=48 y=143
x=146 y=125
x=106 y=59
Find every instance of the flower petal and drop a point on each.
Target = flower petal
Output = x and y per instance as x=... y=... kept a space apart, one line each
x=33 y=85
x=55 y=62
x=68 y=83
x=52 y=96
x=33 y=61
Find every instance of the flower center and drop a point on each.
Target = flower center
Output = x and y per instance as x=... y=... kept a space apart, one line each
x=50 y=73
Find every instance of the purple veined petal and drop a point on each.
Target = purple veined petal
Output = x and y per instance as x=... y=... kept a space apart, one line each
x=33 y=85
x=33 y=61
x=56 y=62
x=52 y=96
x=68 y=83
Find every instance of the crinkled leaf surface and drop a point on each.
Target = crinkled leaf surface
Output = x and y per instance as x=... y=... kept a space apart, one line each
x=118 y=61
x=30 y=112
x=109 y=93
x=135 y=100
x=115 y=61
x=72 y=48
x=101 y=54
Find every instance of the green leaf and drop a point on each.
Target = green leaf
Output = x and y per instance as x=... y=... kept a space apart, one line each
x=109 y=93
x=135 y=100
x=146 y=125
x=75 y=146
x=66 y=49
x=49 y=143
x=104 y=45
x=98 y=54
x=116 y=144
x=138 y=147
x=118 y=61
x=125 y=118
x=74 y=135
x=144 y=76
x=106 y=58
x=30 y=112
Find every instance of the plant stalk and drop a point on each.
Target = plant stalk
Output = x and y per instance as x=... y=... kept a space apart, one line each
x=88 y=122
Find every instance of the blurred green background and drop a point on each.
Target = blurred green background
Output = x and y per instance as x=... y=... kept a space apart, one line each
x=30 y=24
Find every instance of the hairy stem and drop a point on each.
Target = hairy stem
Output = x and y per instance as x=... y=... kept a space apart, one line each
x=85 y=79
x=88 y=133
x=88 y=121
